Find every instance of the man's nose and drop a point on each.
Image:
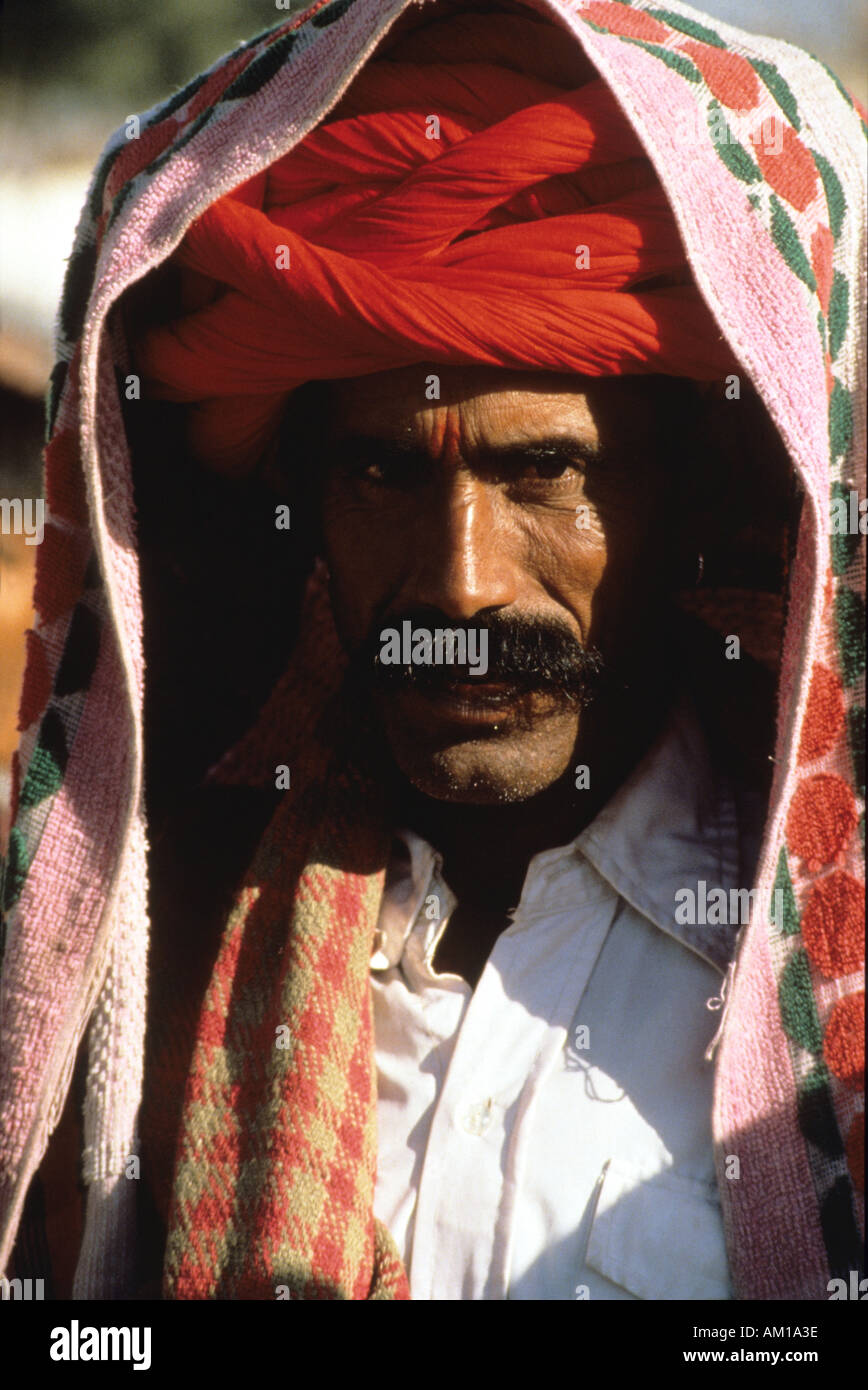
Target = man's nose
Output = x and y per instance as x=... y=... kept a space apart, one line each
x=465 y=563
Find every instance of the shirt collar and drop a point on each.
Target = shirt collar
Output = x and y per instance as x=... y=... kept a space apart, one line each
x=414 y=875
x=671 y=826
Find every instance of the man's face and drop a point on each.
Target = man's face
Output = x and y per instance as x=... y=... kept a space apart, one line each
x=515 y=501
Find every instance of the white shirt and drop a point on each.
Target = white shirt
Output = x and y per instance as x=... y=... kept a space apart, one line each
x=503 y=1125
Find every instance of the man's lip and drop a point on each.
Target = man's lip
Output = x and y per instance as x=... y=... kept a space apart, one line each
x=482 y=686
x=462 y=702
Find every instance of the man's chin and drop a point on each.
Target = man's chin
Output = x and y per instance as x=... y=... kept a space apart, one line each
x=480 y=750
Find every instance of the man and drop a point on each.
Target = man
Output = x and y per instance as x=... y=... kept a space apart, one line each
x=431 y=947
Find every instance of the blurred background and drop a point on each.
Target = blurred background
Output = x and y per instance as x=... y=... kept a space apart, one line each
x=71 y=71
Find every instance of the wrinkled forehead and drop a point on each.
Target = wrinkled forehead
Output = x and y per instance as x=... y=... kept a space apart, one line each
x=492 y=404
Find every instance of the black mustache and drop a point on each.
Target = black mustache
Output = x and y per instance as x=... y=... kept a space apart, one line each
x=533 y=654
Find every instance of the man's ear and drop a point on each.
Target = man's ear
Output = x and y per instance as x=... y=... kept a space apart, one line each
x=689 y=518
x=742 y=490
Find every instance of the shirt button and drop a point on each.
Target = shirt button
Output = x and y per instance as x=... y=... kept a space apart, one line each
x=477 y=1118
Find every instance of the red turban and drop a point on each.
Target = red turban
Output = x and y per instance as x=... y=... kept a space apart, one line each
x=522 y=228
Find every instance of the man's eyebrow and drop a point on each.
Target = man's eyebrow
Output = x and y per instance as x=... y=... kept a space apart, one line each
x=551 y=448
x=555 y=448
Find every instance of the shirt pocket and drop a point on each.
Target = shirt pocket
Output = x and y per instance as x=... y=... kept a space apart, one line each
x=660 y=1237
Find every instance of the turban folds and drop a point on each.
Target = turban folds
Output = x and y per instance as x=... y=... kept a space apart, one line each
x=477 y=196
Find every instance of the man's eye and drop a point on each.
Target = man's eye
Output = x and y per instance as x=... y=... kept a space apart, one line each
x=382 y=470
x=367 y=469
x=541 y=469
x=551 y=468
